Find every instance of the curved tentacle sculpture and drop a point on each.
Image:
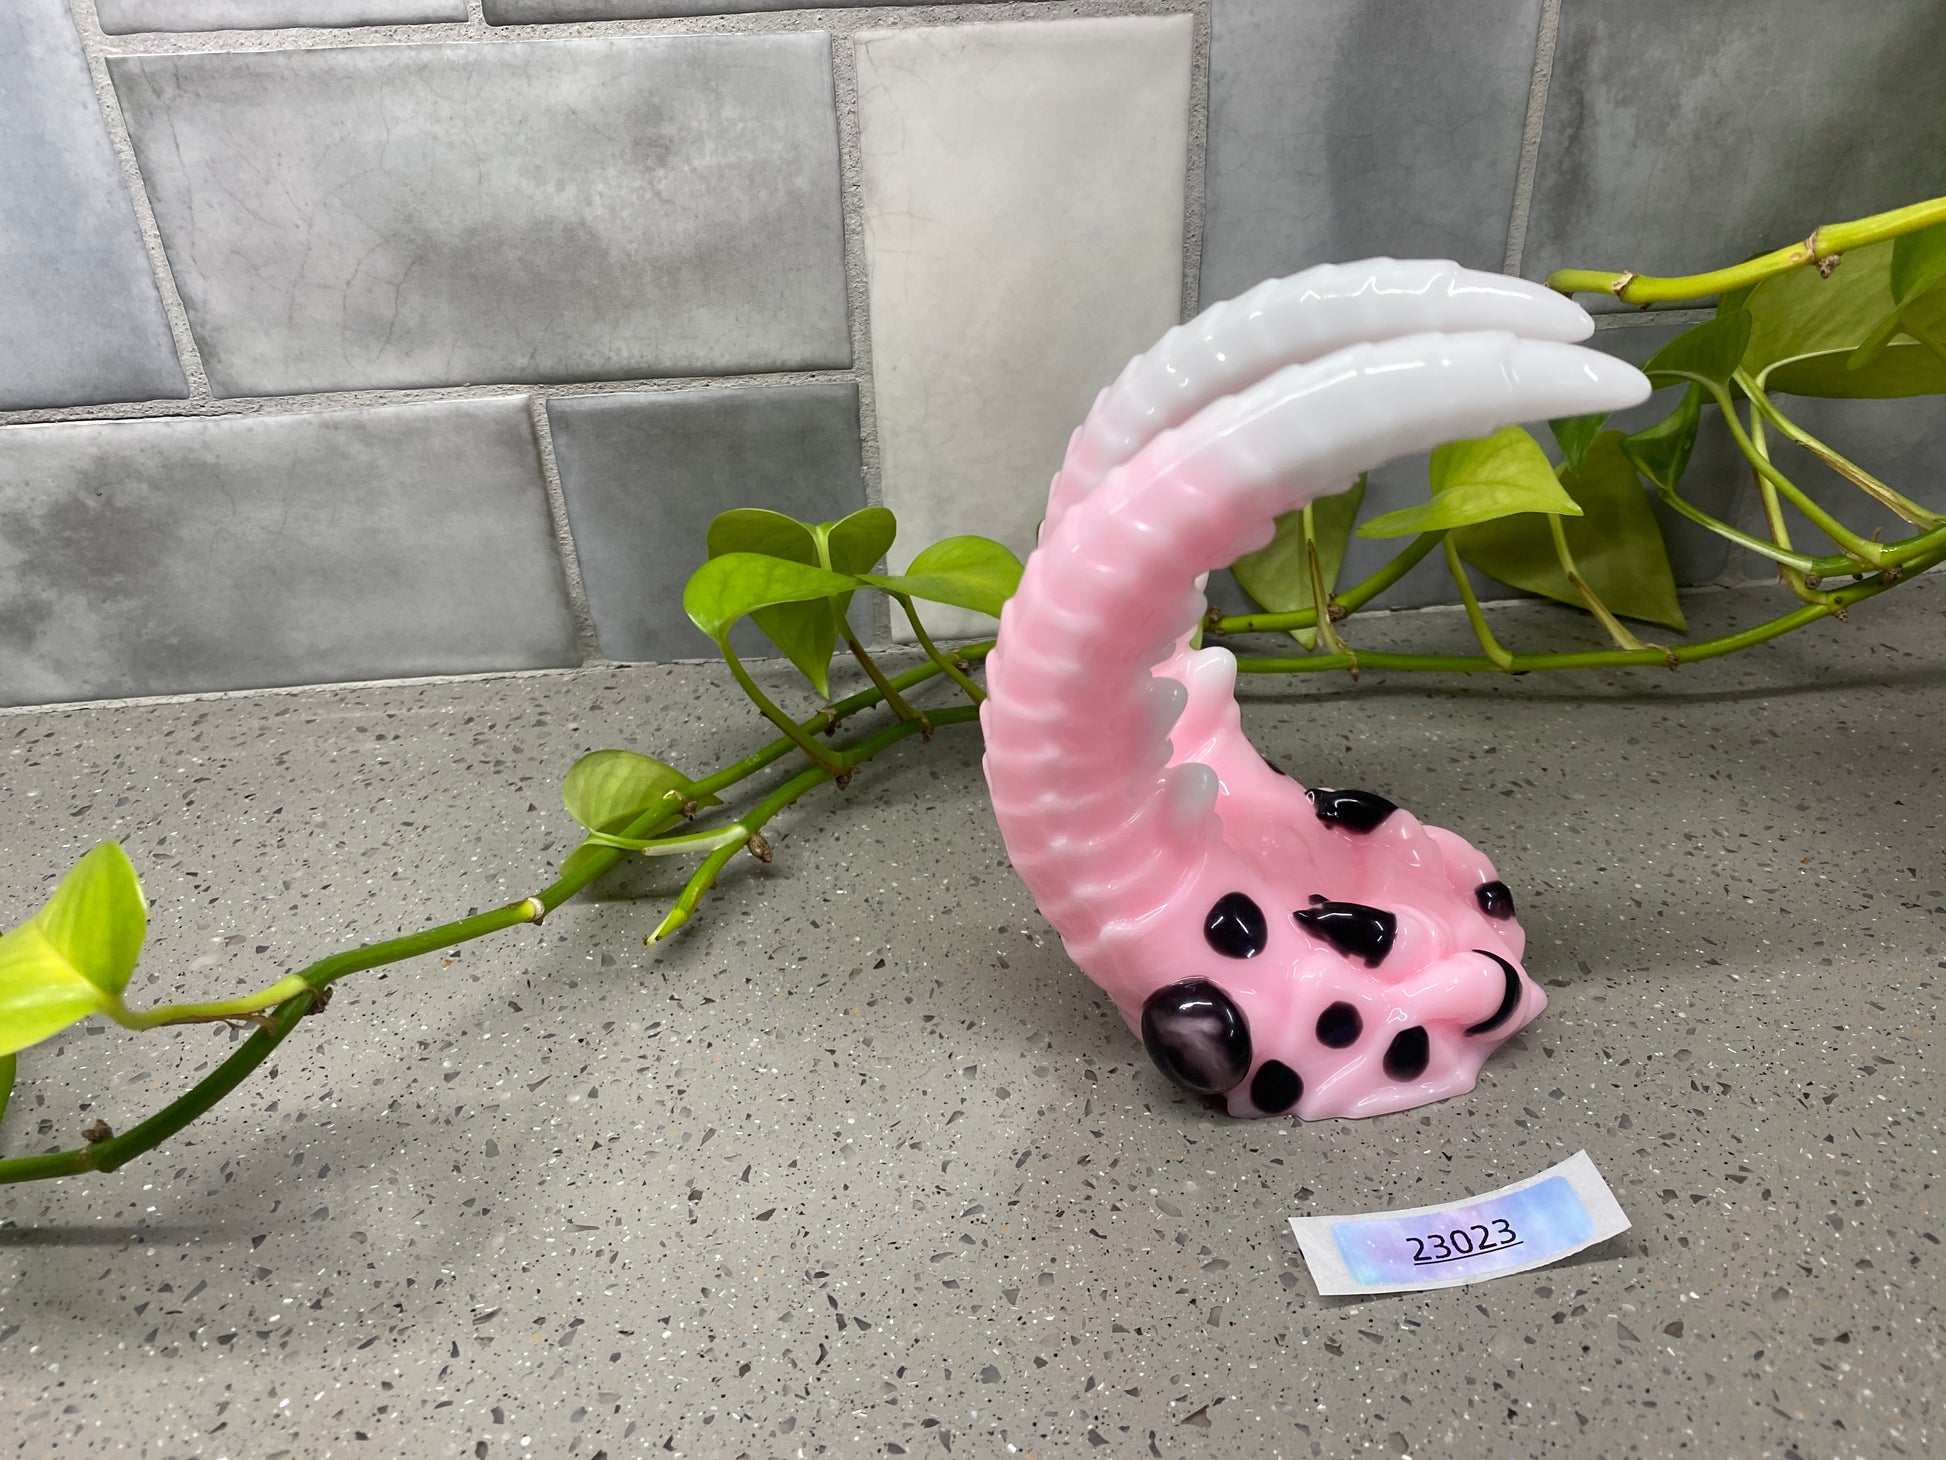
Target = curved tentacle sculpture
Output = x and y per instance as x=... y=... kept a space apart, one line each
x=1315 y=951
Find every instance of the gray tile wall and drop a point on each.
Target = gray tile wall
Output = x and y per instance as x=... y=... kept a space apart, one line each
x=347 y=351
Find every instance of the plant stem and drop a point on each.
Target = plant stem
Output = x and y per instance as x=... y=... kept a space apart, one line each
x=1495 y=653
x=1743 y=539
x=1867 y=553
x=777 y=717
x=1321 y=597
x=1828 y=242
x=1616 y=629
x=1857 y=475
x=1833 y=605
x=1351 y=600
x=892 y=697
x=704 y=877
x=952 y=670
x=7 y=1069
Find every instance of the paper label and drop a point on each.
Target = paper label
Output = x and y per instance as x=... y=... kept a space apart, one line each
x=1527 y=1225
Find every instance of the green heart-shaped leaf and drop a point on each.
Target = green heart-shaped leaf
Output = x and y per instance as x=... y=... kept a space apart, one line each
x=1917 y=270
x=1574 y=434
x=1661 y=452
x=968 y=572
x=856 y=543
x=727 y=588
x=607 y=789
x=1616 y=544
x=73 y=957
x=1708 y=354
x=1478 y=481
x=1807 y=329
x=805 y=632
x=1278 y=577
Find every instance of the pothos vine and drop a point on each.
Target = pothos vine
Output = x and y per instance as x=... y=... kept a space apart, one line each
x=1856 y=310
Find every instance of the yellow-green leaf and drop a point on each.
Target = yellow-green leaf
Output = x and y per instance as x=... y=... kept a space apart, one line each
x=73 y=957
x=1807 y=329
x=806 y=632
x=1661 y=452
x=1616 y=545
x=1480 y=480
x=968 y=572
x=727 y=588
x=1708 y=354
x=607 y=789
x=1278 y=577
x=1574 y=435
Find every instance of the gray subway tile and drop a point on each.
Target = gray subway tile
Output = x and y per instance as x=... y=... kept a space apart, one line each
x=231 y=552
x=521 y=12
x=1682 y=137
x=643 y=474
x=579 y=209
x=119 y=17
x=80 y=319
x=1341 y=129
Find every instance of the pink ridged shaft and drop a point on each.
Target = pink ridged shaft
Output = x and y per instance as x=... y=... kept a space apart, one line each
x=1205 y=892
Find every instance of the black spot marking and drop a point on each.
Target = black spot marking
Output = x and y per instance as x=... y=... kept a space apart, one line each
x=1353 y=810
x=1407 y=1056
x=1495 y=900
x=1276 y=1088
x=1235 y=926
x=1196 y=1036
x=1279 y=769
x=1355 y=930
x=1339 y=1026
x=1509 y=1000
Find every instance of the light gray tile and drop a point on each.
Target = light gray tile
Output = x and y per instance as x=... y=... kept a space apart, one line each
x=519 y=12
x=163 y=556
x=80 y=319
x=539 y=211
x=644 y=474
x=1681 y=137
x=1341 y=129
x=1023 y=189
x=118 y=17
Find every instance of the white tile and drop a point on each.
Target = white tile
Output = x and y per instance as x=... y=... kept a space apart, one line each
x=1023 y=230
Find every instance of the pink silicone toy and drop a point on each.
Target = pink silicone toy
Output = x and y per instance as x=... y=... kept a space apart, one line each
x=1317 y=951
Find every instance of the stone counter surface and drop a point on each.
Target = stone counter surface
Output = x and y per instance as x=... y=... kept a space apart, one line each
x=857 y=1164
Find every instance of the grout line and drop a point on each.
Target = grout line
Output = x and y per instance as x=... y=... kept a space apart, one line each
x=851 y=203
x=585 y=637
x=1530 y=136
x=342 y=400
x=1195 y=172
x=93 y=45
x=1639 y=318
x=845 y=22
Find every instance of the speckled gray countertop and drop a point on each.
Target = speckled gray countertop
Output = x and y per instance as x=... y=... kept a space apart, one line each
x=858 y=1165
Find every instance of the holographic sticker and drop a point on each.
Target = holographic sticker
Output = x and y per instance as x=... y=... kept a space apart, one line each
x=1527 y=1225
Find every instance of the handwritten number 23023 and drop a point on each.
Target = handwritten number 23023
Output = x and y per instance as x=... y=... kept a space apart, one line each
x=1463 y=1241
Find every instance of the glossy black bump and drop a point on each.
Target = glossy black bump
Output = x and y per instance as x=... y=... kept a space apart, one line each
x=1509 y=998
x=1339 y=1026
x=1196 y=1036
x=1236 y=927
x=1353 y=810
x=1355 y=930
x=1276 y=1088
x=1495 y=899
x=1407 y=1056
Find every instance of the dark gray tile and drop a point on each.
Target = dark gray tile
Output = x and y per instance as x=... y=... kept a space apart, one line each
x=1340 y=129
x=118 y=17
x=552 y=210
x=1681 y=137
x=644 y=474
x=520 y=12
x=165 y=556
x=80 y=319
